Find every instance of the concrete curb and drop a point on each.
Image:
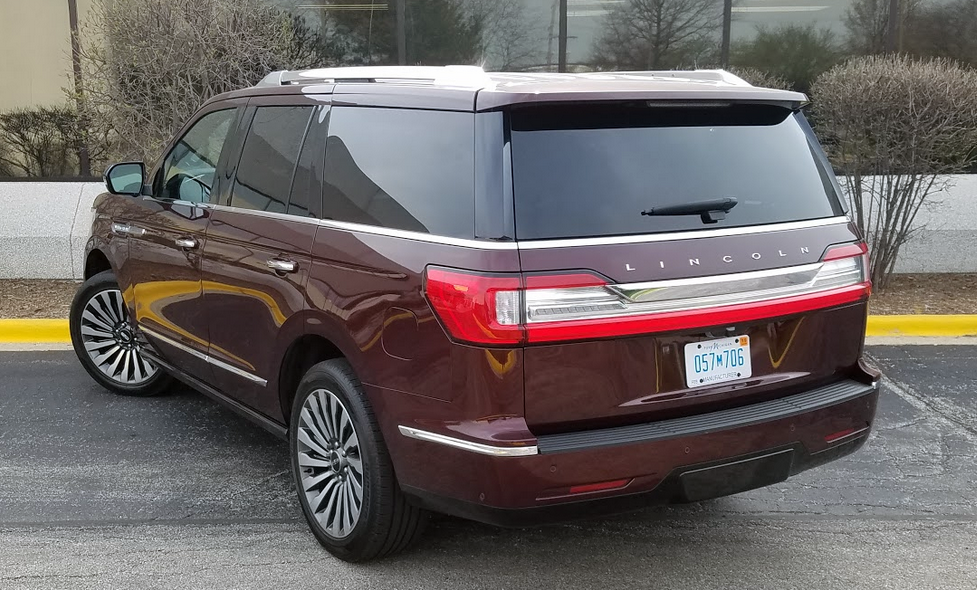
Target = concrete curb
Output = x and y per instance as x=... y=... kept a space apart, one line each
x=34 y=331
x=943 y=326
x=922 y=325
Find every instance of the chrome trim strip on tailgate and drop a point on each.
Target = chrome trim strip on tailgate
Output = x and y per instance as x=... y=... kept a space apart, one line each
x=686 y=235
x=699 y=424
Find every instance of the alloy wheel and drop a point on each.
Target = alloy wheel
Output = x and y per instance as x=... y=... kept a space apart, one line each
x=112 y=343
x=330 y=463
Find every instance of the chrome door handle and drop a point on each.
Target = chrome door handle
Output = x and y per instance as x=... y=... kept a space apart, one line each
x=187 y=243
x=279 y=265
x=124 y=229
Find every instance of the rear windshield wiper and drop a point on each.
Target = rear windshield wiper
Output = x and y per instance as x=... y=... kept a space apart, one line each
x=711 y=211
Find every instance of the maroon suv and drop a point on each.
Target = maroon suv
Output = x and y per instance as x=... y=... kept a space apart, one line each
x=515 y=298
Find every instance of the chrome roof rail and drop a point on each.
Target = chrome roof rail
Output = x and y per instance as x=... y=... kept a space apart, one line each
x=457 y=76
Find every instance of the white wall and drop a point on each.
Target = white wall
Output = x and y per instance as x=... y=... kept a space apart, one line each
x=44 y=227
x=948 y=240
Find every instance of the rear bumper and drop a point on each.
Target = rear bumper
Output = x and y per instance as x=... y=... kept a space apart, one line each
x=673 y=461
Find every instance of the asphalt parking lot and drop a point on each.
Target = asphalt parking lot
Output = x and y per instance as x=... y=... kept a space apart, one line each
x=98 y=491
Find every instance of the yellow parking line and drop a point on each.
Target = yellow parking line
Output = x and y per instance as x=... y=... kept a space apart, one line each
x=922 y=325
x=34 y=331
x=24 y=330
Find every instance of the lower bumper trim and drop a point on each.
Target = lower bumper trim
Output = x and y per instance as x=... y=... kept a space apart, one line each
x=792 y=405
x=457 y=443
x=691 y=483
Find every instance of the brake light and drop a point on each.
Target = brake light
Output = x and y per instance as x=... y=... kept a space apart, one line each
x=481 y=309
x=513 y=309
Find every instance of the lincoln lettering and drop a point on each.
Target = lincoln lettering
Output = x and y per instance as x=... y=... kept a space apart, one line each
x=727 y=258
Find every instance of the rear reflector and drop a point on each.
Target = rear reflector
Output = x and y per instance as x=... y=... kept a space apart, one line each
x=600 y=487
x=512 y=309
x=840 y=435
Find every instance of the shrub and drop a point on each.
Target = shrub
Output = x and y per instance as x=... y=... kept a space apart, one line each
x=760 y=78
x=893 y=125
x=150 y=63
x=794 y=53
x=39 y=142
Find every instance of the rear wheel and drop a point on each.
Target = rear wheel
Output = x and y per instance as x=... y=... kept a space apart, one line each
x=107 y=343
x=342 y=470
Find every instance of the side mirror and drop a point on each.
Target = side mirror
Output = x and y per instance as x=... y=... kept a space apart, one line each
x=125 y=178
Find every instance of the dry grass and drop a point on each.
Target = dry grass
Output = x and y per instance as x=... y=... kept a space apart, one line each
x=927 y=294
x=36 y=299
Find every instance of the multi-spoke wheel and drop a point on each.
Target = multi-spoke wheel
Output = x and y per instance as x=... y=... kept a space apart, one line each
x=330 y=464
x=345 y=480
x=108 y=344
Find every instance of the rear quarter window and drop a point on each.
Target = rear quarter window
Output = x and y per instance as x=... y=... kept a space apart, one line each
x=264 y=173
x=401 y=169
x=582 y=171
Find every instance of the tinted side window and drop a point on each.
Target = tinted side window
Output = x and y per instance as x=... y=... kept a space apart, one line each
x=306 y=197
x=264 y=174
x=401 y=169
x=188 y=171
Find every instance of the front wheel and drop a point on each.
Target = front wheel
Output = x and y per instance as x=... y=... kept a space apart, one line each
x=342 y=470
x=108 y=344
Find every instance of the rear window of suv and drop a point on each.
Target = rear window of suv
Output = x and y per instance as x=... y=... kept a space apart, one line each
x=590 y=170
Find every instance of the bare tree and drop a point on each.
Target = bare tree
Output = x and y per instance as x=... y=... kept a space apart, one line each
x=867 y=23
x=945 y=30
x=511 y=39
x=658 y=34
x=437 y=32
x=43 y=142
x=149 y=64
x=894 y=126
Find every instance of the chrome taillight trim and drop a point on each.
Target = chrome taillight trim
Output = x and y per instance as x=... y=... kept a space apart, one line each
x=760 y=280
x=555 y=305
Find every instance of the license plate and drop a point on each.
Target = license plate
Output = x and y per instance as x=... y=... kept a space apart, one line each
x=717 y=361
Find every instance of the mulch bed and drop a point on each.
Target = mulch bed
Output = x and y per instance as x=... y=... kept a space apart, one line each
x=906 y=294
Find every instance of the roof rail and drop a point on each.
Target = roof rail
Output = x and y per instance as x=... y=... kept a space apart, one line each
x=459 y=76
x=698 y=75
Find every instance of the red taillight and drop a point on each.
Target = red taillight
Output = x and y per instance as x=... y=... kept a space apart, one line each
x=854 y=251
x=513 y=309
x=846 y=251
x=468 y=305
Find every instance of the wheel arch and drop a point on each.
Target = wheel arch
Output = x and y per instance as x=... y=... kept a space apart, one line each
x=301 y=354
x=95 y=262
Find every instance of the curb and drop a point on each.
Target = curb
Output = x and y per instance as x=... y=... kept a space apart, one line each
x=921 y=325
x=56 y=331
x=20 y=331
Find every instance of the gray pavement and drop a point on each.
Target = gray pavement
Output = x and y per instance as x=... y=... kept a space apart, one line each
x=98 y=491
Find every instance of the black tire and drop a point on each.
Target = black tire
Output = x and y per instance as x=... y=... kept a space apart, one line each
x=105 y=287
x=387 y=523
